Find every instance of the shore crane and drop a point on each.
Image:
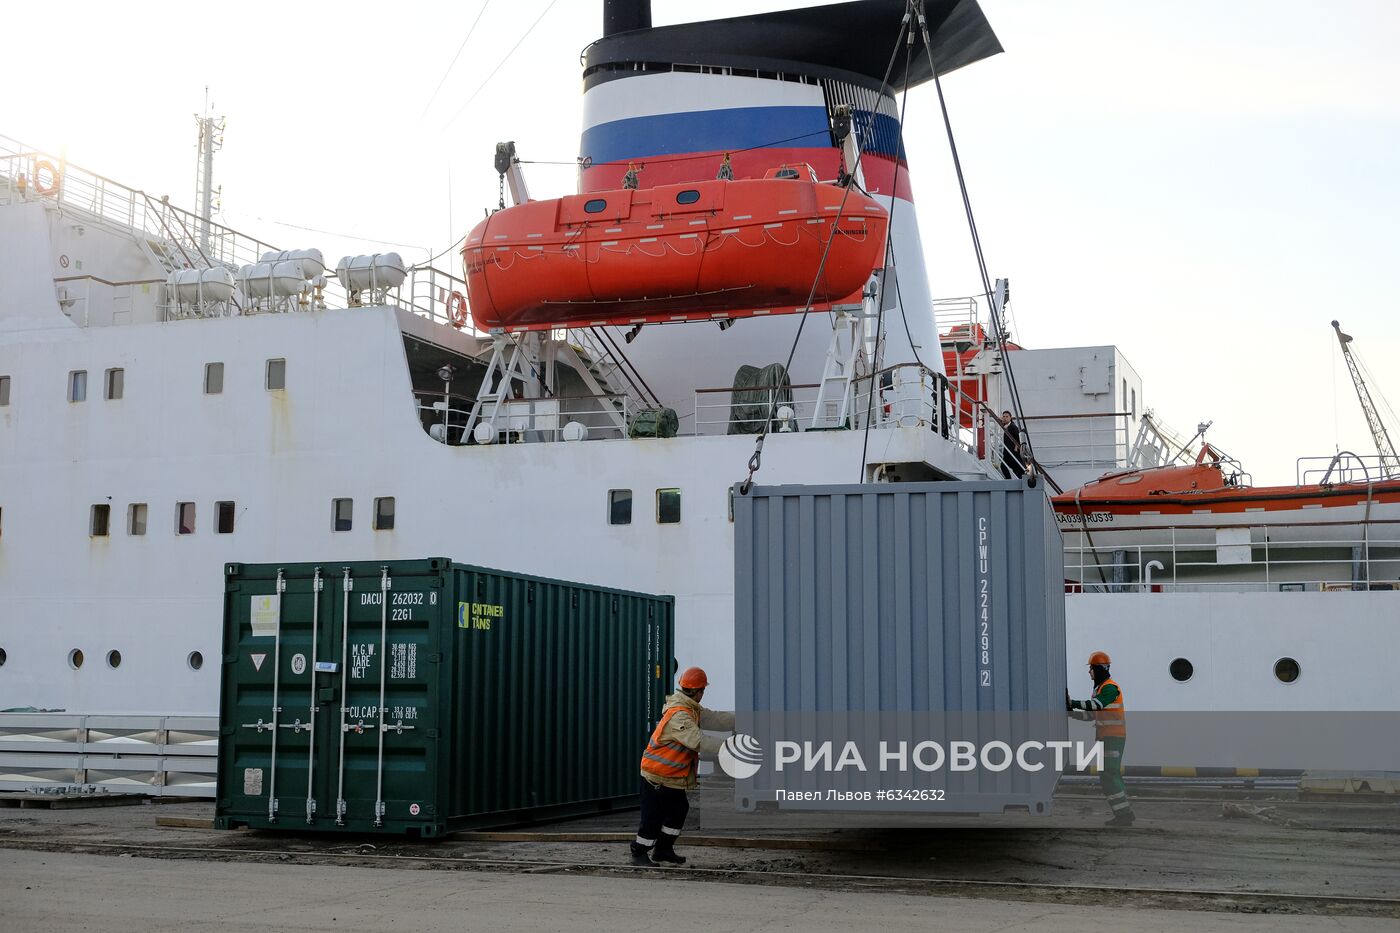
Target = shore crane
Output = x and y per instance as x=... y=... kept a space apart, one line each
x=1390 y=463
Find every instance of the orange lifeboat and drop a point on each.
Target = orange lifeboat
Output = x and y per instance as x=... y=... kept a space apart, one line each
x=708 y=250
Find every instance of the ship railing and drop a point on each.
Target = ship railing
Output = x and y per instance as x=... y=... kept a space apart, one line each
x=907 y=395
x=526 y=420
x=910 y=395
x=177 y=237
x=1344 y=468
x=786 y=408
x=429 y=293
x=1229 y=560
x=959 y=318
x=1098 y=441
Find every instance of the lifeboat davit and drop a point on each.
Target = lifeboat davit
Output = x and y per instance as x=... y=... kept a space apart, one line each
x=709 y=250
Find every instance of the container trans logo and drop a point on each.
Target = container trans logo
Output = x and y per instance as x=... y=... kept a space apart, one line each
x=740 y=756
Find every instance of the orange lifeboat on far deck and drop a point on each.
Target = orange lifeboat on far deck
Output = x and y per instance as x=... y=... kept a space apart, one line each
x=708 y=250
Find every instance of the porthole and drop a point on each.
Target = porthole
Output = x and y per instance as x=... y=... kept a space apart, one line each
x=75 y=658
x=689 y=196
x=114 y=659
x=1287 y=670
x=3 y=657
x=195 y=660
x=595 y=206
x=1181 y=670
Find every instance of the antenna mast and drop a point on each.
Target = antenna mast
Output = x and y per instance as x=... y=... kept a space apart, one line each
x=211 y=140
x=1390 y=464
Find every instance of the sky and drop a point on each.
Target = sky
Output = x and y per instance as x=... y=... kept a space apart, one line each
x=1204 y=184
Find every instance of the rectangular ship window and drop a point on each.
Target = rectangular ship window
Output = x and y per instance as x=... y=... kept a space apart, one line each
x=342 y=513
x=223 y=518
x=384 y=514
x=114 y=383
x=4 y=391
x=668 y=506
x=619 y=506
x=213 y=378
x=276 y=374
x=100 y=520
x=136 y=518
x=77 y=385
x=184 y=518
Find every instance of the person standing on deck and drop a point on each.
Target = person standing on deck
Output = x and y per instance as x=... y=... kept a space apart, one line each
x=1013 y=457
x=1105 y=710
x=669 y=767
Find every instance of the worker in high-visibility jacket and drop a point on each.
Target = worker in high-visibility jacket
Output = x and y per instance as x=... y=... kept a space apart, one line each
x=670 y=763
x=1105 y=710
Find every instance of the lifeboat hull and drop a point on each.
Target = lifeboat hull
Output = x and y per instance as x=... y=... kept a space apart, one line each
x=1144 y=506
x=700 y=251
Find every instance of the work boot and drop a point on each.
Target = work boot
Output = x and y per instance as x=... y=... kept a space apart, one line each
x=665 y=853
x=641 y=856
x=1125 y=818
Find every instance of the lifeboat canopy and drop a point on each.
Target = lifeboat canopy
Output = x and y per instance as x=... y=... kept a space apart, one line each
x=710 y=250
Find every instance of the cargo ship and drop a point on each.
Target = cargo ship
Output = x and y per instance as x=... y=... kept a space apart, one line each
x=176 y=396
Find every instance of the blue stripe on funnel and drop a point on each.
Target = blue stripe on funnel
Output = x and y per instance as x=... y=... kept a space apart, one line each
x=719 y=130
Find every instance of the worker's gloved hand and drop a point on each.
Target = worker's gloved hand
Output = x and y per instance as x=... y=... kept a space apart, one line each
x=716 y=720
x=709 y=747
x=1069 y=704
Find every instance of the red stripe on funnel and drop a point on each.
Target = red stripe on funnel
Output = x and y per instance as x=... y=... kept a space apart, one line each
x=703 y=166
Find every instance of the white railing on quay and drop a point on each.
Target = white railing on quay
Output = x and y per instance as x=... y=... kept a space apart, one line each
x=157 y=755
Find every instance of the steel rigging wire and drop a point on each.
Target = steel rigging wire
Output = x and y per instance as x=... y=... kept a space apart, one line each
x=1002 y=338
x=499 y=65
x=453 y=64
x=889 y=264
x=756 y=460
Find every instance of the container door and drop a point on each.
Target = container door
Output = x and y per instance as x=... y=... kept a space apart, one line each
x=271 y=710
x=379 y=761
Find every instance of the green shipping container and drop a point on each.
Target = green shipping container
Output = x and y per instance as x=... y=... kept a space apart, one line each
x=419 y=697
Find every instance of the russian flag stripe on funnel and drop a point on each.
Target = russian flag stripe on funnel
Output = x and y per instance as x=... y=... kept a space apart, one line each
x=681 y=124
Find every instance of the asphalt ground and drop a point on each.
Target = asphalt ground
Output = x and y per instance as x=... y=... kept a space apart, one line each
x=1219 y=852
x=60 y=892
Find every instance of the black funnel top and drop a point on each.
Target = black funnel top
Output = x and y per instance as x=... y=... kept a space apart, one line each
x=625 y=15
x=851 y=41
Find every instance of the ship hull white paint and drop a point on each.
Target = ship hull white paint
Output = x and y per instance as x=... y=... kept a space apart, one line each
x=344 y=427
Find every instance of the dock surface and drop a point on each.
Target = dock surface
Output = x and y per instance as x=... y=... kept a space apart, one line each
x=1197 y=859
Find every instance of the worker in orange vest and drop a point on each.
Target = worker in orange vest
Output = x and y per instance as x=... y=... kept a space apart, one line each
x=1105 y=710
x=669 y=766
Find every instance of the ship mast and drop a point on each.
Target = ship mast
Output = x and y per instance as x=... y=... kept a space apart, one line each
x=211 y=140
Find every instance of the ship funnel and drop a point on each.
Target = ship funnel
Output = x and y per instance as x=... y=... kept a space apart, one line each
x=625 y=16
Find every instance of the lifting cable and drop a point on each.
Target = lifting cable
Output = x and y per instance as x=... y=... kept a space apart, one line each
x=453 y=64
x=499 y=65
x=889 y=264
x=1000 y=335
x=756 y=460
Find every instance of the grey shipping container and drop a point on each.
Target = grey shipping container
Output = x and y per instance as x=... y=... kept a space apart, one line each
x=893 y=615
x=423 y=696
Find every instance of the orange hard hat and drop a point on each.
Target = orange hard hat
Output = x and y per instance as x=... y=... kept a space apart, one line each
x=694 y=679
x=1099 y=657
